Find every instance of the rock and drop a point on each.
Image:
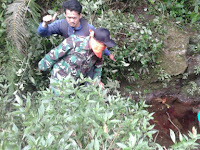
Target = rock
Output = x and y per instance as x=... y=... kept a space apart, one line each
x=198 y=81
x=173 y=58
x=192 y=62
x=191 y=50
x=195 y=39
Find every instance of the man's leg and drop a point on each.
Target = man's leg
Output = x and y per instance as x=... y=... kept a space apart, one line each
x=91 y=73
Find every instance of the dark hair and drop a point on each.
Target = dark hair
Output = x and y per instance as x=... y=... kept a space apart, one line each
x=72 y=5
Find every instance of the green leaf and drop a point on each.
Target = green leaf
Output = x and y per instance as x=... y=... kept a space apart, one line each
x=28 y=103
x=172 y=135
x=16 y=113
x=132 y=140
x=50 y=139
x=115 y=121
x=96 y=144
x=110 y=115
x=51 y=12
x=125 y=64
x=150 y=133
x=100 y=132
x=180 y=137
x=57 y=128
x=31 y=140
x=121 y=145
x=67 y=135
x=152 y=1
x=19 y=100
x=15 y=129
x=195 y=18
x=27 y=131
x=92 y=133
x=151 y=127
x=41 y=110
x=28 y=147
x=32 y=80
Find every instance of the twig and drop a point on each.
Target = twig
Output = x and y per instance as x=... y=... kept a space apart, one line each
x=156 y=136
x=172 y=122
x=114 y=137
x=90 y=136
x=121 y=33
x=78 y=142
x=93 y=17
x=102 y=142
x=164 y=148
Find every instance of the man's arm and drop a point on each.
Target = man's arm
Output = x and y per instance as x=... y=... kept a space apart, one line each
x=53 y=28
x=106 y=52
x=91 y=27
x=51 y=58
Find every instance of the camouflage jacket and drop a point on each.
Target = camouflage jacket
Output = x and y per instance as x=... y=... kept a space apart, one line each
x=73 y=56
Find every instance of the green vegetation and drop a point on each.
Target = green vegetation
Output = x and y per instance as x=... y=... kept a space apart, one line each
x=31 y=117
x=80 y=118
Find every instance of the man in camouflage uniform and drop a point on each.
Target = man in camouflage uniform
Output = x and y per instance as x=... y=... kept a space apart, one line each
x=76 y=55
x=73 y=23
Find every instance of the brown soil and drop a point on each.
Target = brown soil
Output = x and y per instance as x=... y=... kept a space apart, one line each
x=170 y=113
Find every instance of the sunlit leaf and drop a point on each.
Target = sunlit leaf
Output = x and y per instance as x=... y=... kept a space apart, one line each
x=19 y=100
x=172 y=135
x=41 y=110
x=125 y=64
x=132 y=140
x=51 y=12
x=96 y=144
x=121 y=145
x=180 y=136
x=32 y=80
x=50 y=139
x=15 y=129
x=28 y=147
x=28 y=103
x=67 y=135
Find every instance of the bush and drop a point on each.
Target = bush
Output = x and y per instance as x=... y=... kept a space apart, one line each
x=80 y=118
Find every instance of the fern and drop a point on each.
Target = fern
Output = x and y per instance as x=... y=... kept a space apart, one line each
x=16 y=29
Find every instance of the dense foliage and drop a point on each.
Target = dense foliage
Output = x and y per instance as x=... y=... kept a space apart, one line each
x=82 y=118
x=79 y=118
x=31 y=117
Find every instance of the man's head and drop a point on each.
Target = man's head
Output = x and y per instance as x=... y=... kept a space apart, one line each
x=103 y=35
x=72 y=9
x=100 y=39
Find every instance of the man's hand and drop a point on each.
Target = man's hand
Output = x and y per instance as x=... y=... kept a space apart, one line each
x=101 y=84
x=48 y=19
x=111 y=56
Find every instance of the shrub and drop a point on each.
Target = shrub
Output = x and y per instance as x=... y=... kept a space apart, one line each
x=80 y=118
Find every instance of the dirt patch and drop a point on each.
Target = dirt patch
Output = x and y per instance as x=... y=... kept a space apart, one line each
x=170 y=113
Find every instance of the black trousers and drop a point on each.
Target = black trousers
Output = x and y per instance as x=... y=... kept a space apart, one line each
x=91 y=73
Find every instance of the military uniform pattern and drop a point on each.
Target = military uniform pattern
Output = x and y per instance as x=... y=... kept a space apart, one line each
x=73 y=56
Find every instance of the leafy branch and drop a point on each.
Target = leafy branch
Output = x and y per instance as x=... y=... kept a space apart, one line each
x=16 y=29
